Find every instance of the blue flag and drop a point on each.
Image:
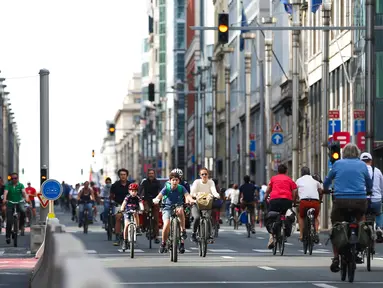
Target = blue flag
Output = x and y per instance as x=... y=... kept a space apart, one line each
x=243 y=24
x=288 y=7
x=315 y=5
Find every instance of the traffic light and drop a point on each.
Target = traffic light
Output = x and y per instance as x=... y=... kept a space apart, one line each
x=334 y=152
x=111 y=129
x=9 y=177
x=223 y=28
x=151 y=92
x=93 y=153
x=44 y=175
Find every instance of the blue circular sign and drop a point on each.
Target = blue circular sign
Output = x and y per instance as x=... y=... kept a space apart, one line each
x=51 y=189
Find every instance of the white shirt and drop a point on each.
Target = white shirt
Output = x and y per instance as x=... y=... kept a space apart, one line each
x=234 y=196
x=308 y=187
x=227 y=192
x=377 y=187
x=199 y=187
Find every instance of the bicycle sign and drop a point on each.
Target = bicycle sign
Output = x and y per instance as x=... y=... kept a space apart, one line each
x=51 y=189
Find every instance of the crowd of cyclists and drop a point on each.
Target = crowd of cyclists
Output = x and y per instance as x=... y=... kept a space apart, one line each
x=355 y=184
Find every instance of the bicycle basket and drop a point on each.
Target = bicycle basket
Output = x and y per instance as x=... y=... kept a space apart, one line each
x=364 y=234
x=339 y=234
x=204 y=201
x=271 y=218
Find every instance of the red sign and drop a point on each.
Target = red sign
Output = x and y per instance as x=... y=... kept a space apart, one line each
x=333 y=114
x=252 y=136
x=361 y=141
x=342 y=137
x=359 y=114
x=44 y=202
x=277 y=128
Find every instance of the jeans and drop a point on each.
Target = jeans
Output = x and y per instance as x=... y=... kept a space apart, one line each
x=227 y=208
x=21 y=209
x=82 y=207
x=106 y=210
x=73 y=203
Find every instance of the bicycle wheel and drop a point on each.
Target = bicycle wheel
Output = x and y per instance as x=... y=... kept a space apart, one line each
x=311 y=235
x=15 y=230
x=175 y=238
x=206 y=235
x=275 y=241
x=282 y=241
x=343 y=267
x=86 y=222
x=132 y=234
x=351 y=267
x=200 y=237
x=109 y=229
x=369 y=254
x=150 y=229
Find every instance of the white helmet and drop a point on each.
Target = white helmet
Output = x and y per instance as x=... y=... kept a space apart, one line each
x=178 y=171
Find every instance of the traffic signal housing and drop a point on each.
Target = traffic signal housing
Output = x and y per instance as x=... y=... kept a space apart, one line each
x=223 y=28
x=9 y=177
x=334 y=152
x=151 y=92
x=44 y=175
x=111 y=129
x=93 y=153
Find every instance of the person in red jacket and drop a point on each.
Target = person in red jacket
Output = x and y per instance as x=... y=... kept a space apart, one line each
x=32 y=194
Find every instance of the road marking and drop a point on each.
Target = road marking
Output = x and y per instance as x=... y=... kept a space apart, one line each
x=194 y=248
x=12 y=273
x=261 y=238
x=381 y=259
x=128 y=251
x=319 y=251
x=267 y=268
x=323 y=285
x=262 y=250
x=222 y=251
x=227 y=257
x=289 y=244
x=91 y=251
x=188 y=251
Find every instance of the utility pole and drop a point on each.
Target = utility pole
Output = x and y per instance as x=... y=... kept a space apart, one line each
x=295 y=105
x=269 y=90
x=370 y=74
x=214 y=116
x=175 y=113
x=185 y=138
x=196 y=130
x=247 y=36
x=261 y=145
x=44 y=133
x=203 y=118
x=163 y=138
x=169 y=155
x=326 y=14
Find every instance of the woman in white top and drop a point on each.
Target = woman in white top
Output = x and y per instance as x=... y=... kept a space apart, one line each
x=203 y=185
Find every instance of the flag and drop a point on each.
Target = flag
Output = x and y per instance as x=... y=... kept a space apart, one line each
x=315 y=4
x=288 y=7
x=243 y=24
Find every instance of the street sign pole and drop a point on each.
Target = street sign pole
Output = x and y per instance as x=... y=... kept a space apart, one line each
x=51 y=190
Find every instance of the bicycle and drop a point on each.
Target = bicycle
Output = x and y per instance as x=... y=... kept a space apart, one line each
x=85 y=217
x=203 y=232
x=279 y=237
x=369 y=250
x=248 y=221
x=235 y=216
x=150 y=229
x=15 y=224
x=174 y=238
x=110 y=219
x=309 y=231
x=132 y=233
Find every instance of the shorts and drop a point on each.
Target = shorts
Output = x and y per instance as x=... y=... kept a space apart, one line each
x=375 y=208
x=166 y=213
x=33 y=203
x=308 y=204
x=280 y=205
x=128 y=216
x=340 y=209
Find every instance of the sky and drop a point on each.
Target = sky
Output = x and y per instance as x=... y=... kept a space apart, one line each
x=91 y=48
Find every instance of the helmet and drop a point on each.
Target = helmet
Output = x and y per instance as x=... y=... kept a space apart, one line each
x=178 y=171
x=133 y=186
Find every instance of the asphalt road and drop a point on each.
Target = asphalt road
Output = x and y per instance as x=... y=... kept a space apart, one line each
x=232 y=260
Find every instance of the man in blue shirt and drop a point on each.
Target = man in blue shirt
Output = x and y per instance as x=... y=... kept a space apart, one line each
x=173 y=194
x=351 y=181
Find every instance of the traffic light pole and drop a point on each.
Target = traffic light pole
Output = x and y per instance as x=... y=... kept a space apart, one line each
x=44 y=135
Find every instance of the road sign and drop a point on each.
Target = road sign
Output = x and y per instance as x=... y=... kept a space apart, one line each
x=330 y=139
x=359 y=114
x=277 y=128
x=333 y=114
x=359 y=126
x=252 y=148
x=334 y=126
x=51 y=189
x=43 y=202
x=277 y=138
x=342 y=137
x=361 y=140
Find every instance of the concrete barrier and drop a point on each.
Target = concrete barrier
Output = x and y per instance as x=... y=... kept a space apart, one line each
x=65 y=263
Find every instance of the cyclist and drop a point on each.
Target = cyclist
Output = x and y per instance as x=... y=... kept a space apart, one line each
x=2 y=207
x=73 y=199
x=171 y=195
x=14 y=191
x=183 y=182
x=118 y=192
x=282 y=190
x=310 y=194
x=351 y=178
x=105 y=194
x=148 y=190
x=377 y=189
x=85 y=198
x=233 y=197
x=131 y=204
x=32 y=194
x=248 y=196
x=203 y=185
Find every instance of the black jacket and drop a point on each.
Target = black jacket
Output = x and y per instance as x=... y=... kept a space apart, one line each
x=149 y=189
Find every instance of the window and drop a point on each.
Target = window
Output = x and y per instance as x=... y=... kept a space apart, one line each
x=162 y=42
x=162 y=2
x=162 y=57
x=146 y=45
x=145 y=69
x=163 y=89
x=180 y=36
x=162 y=28
x=180 y=9
x=162 y=13
x=137 y=100
x=233 y=94
x=233 y=15
x=233 y=56
x=162 y=72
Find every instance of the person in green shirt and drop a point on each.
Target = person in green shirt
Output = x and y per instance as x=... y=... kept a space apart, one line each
x=15 y=192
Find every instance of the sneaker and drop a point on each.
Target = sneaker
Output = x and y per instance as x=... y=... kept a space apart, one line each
x=125 y=245
x=253 y=230
x=194 y=237
x=117 y=242
x=157 y=241
x=183 y=235
x=270 y=245
x=8 y=240
x=162 y=247
x=335 y=265
x=182 y=248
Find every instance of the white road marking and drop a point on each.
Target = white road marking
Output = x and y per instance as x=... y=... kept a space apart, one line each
x=227 y=257
x=261 y=238
x=222 y=251
x=323 y=285
x=319 y=251
x=263 y=250
x=91 y=251
x=267 y=268
x=289 y=244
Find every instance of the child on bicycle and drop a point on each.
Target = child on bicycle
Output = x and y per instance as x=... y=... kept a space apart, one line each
x=173 y=194
x=132 y=203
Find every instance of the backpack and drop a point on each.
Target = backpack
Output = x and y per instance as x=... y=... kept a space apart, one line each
x=169 y=189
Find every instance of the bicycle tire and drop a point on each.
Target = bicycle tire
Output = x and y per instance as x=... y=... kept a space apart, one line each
x=282 y=241
x=15 y=231
x=369 y=254
x=85 y=222
x=275 y=241
x=206 y=232
x=150 y=229
x=175 y=237
x=311 y=238
x=343 y=268
x=132 y=231
x=351 y=267
x=109 y=230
